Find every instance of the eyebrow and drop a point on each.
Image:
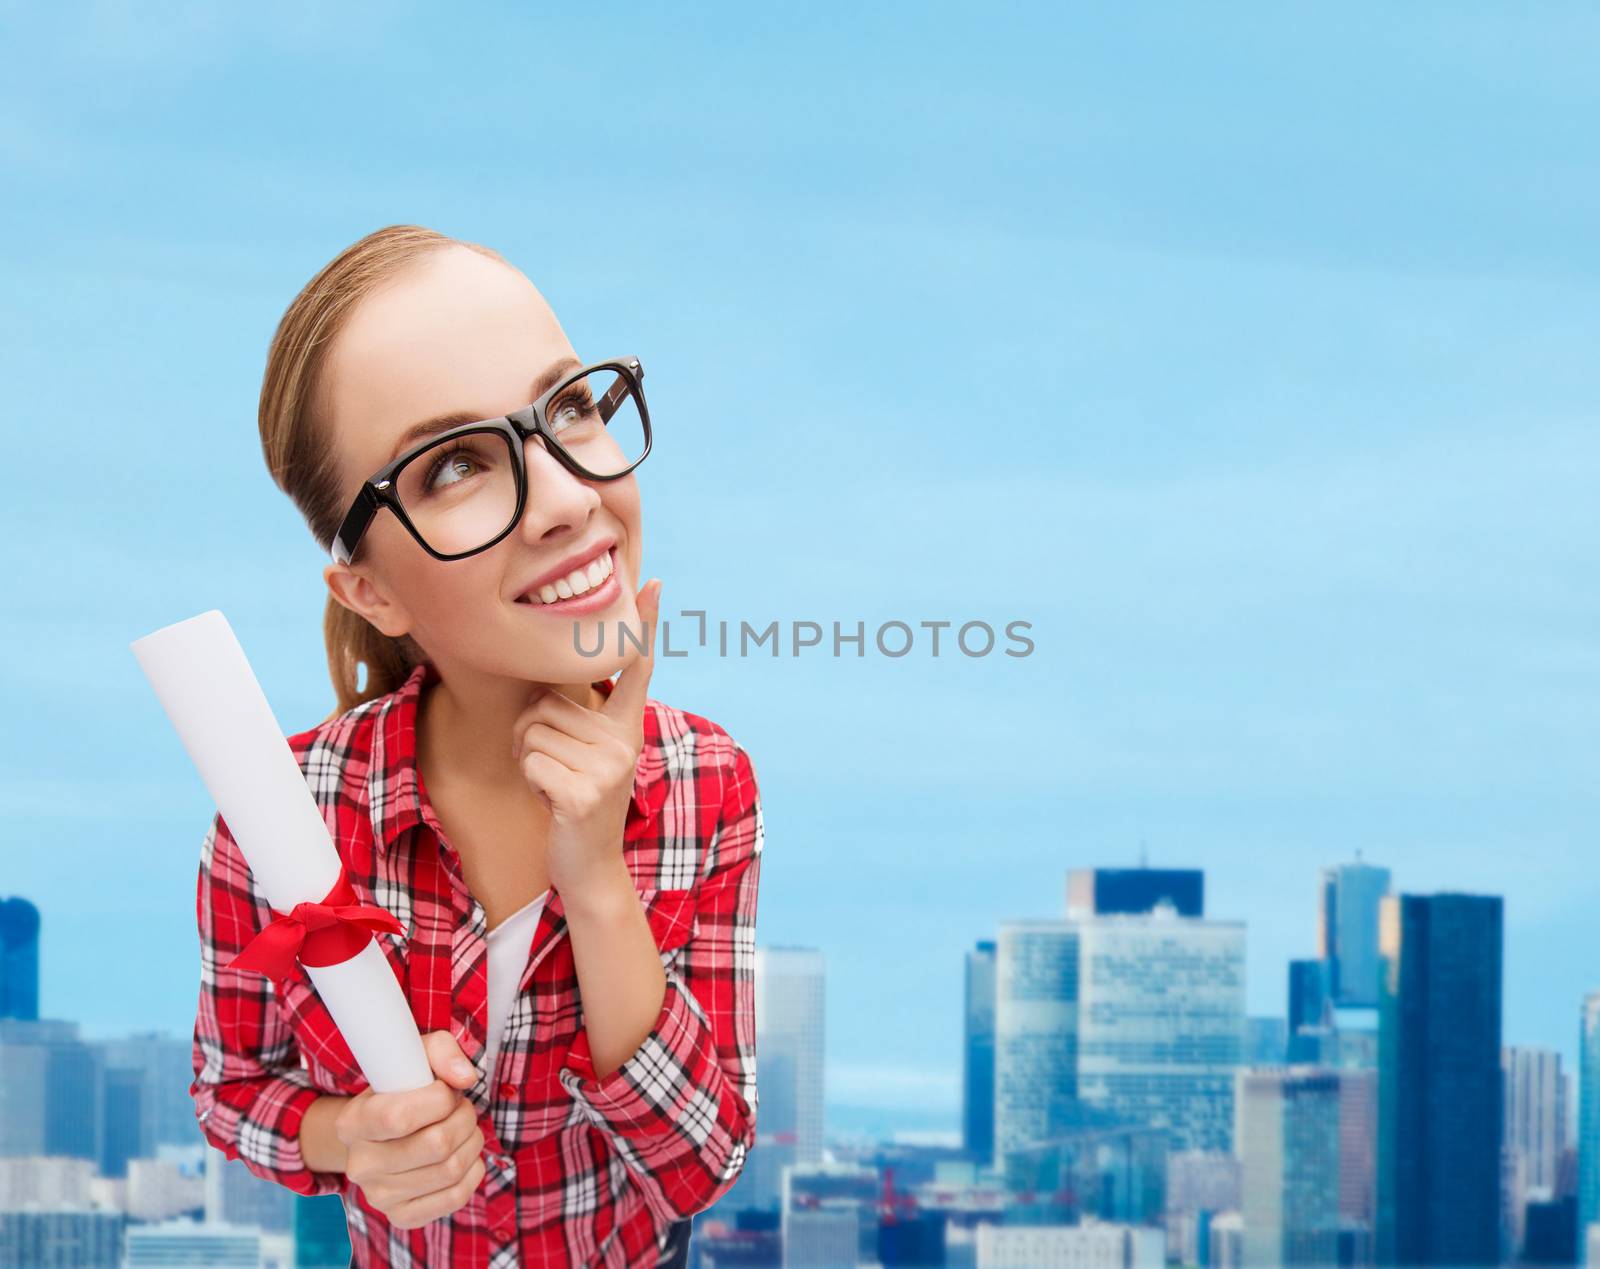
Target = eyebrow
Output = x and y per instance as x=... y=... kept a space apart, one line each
x=546 y=379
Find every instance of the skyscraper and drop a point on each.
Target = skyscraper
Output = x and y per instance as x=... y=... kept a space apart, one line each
x=789 y=1039
x=1266 y=1041
x=1035 y=1033
x=50 y=1090
x=1161 y=1022
x=977 y=1055
x=234 y=1195
x=167 y=1065
x=1131 y=891
x=829 y=1214
x=1310 y=1016
x=19 y=959
x=1358 y=1144
x=1589 y=1115
x=125 y=1123
x=1536 y=1112
x=1439 y=1084
x=1347 y=930
x=1287 y=1140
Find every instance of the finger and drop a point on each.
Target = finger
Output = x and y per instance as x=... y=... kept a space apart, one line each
x=626 y=702
x=561 y=712
x=449 y=1062
x=390 y=1116
x=418 y=1212
x=347 y=1124
x=420 y=1182
x=563 y=747
x=549 y=778
x=430 y=1147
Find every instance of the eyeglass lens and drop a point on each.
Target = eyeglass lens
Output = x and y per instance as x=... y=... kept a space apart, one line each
x=461 y=493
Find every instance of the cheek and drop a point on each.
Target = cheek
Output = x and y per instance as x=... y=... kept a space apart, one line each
x=621 y=499
x=443 y=595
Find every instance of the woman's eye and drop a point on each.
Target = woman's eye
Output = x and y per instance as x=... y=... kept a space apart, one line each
x=570 y=410
x=455 y=460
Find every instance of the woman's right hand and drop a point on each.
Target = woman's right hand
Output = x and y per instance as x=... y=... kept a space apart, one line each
x=417 y=1155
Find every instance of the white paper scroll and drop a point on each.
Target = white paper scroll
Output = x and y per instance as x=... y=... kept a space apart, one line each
x=213 y=698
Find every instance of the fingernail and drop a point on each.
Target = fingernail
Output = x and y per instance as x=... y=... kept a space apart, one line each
x=463 y=1068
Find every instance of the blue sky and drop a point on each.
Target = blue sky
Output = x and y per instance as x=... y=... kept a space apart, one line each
x=1249 y=355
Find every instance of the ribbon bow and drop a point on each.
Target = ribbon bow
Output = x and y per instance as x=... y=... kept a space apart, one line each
x=315 y=933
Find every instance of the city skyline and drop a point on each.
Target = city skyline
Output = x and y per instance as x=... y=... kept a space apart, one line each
x=848 y=1125
x=1330 y=1152
x=849 y=1119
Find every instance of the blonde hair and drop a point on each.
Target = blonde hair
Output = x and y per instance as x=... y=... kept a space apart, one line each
x=298 y=444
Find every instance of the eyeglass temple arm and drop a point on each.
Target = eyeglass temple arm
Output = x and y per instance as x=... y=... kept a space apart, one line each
x=355 y=522
x=619 y=390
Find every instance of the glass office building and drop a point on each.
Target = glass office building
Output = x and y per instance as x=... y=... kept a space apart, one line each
x=1440 y=1087
x=1161 y=1022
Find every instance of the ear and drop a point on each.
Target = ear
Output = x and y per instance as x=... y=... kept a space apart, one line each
x=361 y=595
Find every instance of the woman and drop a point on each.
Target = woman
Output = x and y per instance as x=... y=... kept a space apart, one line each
x=575 y=864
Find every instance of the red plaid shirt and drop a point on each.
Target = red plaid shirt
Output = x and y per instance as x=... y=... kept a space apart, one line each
x=580 y=1171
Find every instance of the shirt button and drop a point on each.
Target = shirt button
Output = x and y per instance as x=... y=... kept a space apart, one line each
x=508 y=1089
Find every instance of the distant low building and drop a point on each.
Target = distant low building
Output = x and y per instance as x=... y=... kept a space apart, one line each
x=64 y=1238
x=1093 y=1246
x=177 y=1243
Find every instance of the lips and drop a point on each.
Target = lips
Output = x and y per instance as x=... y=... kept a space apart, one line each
x=585 y=577
x=583 y=556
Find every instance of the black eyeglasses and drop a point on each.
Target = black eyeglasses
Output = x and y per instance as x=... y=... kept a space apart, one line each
x=465 y=489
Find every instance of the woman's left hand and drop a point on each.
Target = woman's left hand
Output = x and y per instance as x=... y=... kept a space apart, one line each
x=582 y=761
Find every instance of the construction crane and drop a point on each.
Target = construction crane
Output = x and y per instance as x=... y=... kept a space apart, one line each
x=892 y=1205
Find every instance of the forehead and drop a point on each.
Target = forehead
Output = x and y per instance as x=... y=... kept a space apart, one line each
x=455 y=331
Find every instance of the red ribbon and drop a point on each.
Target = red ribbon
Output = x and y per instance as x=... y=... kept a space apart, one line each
x=315 y=933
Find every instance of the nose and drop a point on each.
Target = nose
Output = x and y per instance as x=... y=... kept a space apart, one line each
x=556 y=497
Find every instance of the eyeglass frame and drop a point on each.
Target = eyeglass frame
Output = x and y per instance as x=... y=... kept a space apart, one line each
x=517 y=427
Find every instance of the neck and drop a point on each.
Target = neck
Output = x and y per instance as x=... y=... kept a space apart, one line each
x=465 y=721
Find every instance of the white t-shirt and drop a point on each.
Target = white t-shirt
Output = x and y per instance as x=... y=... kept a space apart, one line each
x=509 y=945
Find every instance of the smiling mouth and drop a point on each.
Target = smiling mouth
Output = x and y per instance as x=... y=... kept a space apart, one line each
x=580 y=581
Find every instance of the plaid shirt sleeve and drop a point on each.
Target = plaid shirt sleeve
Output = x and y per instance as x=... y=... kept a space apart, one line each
x=681 y=1110
x=250 y=1089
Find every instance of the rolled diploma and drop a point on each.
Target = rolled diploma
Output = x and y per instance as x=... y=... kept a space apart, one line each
x=205 y=683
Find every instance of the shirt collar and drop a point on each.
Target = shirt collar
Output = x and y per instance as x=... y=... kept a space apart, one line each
x=393 y=800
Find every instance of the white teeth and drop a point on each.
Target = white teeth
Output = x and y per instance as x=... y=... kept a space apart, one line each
x=578 y=581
